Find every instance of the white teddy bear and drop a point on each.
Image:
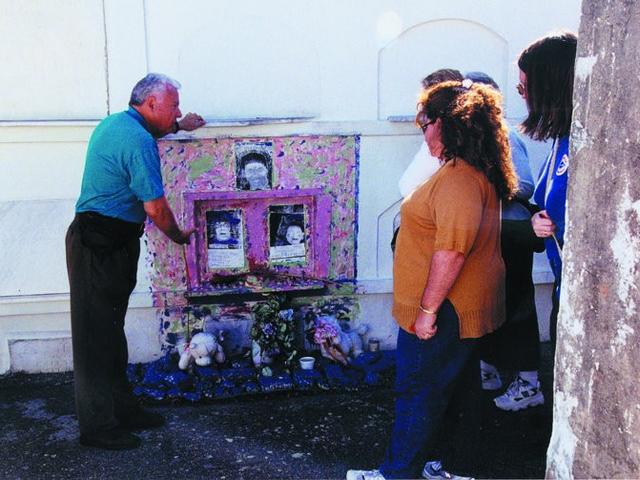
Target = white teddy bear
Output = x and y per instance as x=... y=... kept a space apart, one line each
x=201 y=348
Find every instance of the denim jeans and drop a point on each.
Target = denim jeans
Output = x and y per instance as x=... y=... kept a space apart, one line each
x=427 y=374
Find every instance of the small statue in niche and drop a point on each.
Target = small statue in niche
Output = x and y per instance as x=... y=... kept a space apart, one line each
x=201 y=348
x=336 y=343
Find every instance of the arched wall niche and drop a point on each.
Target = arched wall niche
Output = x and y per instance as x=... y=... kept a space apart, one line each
x=423 y=48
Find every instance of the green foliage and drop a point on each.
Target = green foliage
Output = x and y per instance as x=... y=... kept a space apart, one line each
x=273 y=328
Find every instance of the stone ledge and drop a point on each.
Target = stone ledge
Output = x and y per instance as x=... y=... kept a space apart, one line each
x=27 y=350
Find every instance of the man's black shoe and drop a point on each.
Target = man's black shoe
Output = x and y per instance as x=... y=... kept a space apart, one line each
x=141 y=420
x=114 y=439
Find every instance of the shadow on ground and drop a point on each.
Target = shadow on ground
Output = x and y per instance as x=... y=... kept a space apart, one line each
x=299 y=436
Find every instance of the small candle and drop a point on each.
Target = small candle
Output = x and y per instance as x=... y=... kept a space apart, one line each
x=374 y=344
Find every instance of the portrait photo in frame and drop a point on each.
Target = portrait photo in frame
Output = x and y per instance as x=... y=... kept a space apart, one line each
x=225 y=239
x=287 y=234
x=254 y=165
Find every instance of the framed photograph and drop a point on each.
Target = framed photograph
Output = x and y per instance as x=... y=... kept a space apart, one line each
x=254 y=165
x=273 y=232
x=287 y=235
x=225 y=243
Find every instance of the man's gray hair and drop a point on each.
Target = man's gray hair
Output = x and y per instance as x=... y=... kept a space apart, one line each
x=152 y=83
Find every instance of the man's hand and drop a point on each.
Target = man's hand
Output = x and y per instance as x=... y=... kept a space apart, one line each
x=161 y=215
x=190 y=122
x=425 y=325
x=542 y=224
x=185 y=236
x=443 y=272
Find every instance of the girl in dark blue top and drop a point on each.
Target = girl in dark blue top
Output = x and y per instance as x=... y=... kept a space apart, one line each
x=546 y=84
x=551 y=195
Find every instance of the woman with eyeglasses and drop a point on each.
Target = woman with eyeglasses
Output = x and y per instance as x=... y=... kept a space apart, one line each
x=546 y=84
x=448 y=272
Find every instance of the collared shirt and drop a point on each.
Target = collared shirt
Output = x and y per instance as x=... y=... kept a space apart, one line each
x=122 y=168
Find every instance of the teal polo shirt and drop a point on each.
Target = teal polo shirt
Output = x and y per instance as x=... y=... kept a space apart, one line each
x=122 y=168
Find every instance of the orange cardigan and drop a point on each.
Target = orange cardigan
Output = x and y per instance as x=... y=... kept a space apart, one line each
x=457 y=209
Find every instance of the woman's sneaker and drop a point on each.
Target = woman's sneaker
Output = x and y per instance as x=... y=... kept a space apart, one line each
x=520 y=394
x=433 y=471
x=490 y=380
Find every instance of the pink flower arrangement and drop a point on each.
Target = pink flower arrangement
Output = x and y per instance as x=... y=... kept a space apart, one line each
x=324 y=331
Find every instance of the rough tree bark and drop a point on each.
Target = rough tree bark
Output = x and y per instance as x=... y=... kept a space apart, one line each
x=596 y=419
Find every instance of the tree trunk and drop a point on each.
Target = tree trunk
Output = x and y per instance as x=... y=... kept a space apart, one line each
x=596 y=420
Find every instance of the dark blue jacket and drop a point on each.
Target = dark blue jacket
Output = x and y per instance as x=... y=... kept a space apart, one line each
x=554 y=202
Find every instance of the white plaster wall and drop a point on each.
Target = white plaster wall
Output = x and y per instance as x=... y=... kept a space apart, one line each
x=253 y=58
x=339 y=67
x=126 y=48
x=37 y=337
x=36 y=254
x=53 y=62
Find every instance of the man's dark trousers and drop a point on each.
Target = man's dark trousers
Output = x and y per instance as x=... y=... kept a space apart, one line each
x=102 y=267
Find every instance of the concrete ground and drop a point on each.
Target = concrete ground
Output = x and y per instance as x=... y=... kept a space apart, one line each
x=277 y=436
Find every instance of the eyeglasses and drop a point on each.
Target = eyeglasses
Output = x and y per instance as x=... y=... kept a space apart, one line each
x=522 y=89
x=424 y=126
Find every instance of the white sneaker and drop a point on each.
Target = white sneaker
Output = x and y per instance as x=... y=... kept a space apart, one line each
x=364 y=475
x=433 y=471
x=490 y=380
x=520 y=394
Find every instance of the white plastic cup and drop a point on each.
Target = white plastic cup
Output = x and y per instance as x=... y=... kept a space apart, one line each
x=306 y=363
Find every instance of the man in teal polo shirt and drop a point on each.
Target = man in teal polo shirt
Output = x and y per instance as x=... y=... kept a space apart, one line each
x=121 y=186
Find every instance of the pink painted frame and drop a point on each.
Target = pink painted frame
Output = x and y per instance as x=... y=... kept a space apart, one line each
x=255 y=207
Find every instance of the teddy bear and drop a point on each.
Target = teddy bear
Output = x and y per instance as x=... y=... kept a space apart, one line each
x=335 y=343
x=201 y=348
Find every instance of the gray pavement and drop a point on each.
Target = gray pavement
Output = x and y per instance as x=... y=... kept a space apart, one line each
x=274 y=436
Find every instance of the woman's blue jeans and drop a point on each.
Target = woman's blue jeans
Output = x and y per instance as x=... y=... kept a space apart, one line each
x=427 y=374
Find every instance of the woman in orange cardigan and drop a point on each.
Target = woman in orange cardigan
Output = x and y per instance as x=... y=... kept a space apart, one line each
x=448 y=271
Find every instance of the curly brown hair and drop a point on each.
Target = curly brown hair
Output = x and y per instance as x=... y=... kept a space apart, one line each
x=473 y=129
